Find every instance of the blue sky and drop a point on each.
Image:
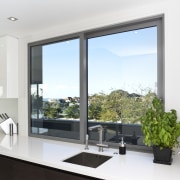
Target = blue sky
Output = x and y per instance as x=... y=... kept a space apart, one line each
x=120 y=61
x=61 y=69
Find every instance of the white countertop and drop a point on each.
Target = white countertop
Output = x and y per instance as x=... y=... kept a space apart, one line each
x=132 y=166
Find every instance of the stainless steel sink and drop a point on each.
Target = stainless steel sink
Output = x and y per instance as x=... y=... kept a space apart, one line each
x=88 y=159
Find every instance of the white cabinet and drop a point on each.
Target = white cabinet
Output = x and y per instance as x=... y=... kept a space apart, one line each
x=8 y=67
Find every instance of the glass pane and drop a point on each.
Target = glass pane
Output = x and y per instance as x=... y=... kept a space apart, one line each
x=55 y=89
x=122 y=80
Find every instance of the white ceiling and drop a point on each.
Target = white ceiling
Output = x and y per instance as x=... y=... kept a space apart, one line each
x=36 y=15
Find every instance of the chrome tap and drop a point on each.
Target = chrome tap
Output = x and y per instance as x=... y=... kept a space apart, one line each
x=86 y=142
x=100 y=129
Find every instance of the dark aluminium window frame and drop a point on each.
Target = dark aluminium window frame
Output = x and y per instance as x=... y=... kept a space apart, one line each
x=83 y=63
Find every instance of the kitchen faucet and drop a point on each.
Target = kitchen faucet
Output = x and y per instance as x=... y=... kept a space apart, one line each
x=100 y=129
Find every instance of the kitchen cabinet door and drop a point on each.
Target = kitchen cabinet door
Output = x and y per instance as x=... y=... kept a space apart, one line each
x=8 y=67
x=6 y=168
x=15 y=169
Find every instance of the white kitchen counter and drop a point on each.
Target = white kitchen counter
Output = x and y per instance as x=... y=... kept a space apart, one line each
x=132 y=166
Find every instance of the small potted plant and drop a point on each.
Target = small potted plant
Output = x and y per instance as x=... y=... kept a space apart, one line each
x=161 y=130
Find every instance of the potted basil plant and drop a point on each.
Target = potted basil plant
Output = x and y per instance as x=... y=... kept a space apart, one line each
x=161 y=131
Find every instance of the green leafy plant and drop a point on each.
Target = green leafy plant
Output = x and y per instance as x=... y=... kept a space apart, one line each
x=160 y=128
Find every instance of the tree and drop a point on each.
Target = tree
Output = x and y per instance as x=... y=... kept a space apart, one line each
x=95 y=105
x=72 y=111
x=109 y=116
x=52 y=110
x=119 y=105
x=114 y=104
x=94 y=111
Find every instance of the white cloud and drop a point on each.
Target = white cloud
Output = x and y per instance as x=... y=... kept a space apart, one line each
x=133 y=51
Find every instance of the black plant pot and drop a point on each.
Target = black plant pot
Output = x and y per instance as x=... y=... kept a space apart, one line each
x=162 y=156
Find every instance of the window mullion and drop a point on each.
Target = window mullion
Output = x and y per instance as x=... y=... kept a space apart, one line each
x=83 y=88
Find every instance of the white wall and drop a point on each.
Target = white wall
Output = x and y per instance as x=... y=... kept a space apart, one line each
x=172 y=38
x=10 y=107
